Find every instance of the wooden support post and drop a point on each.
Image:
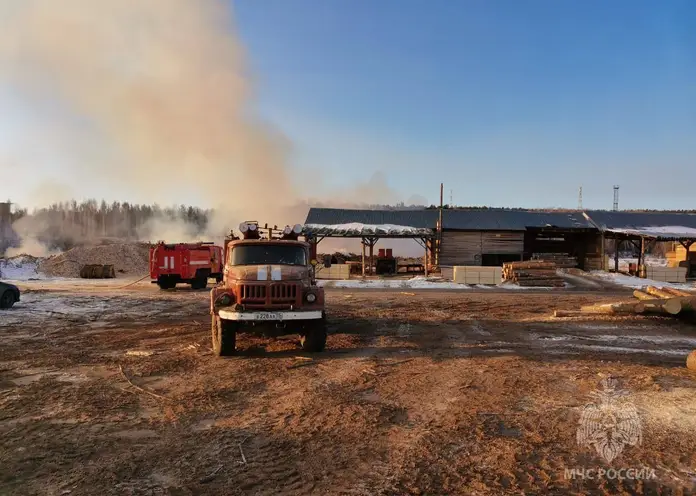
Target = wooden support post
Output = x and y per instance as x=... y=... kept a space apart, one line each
x=425 y=258
x=641 y=257
x=372 y=258
x=617 y=244
x=687 y=244
x=602 y=252
x=362 y=242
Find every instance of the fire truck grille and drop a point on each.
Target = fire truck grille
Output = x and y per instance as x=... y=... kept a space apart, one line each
x=281 y=293
x=252 y=293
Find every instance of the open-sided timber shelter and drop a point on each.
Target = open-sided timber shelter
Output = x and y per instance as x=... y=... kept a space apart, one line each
x=370 y=226
x=494 y=236
x=641 y=229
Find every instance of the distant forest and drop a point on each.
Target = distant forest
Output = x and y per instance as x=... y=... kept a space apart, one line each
x=63 y=225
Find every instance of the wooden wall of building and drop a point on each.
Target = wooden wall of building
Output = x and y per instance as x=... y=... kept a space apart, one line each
x=480 y=247
x=496 y=247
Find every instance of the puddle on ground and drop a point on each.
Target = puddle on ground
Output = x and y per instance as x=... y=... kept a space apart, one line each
x=203 y=425
x=371 y=396
x=135 y=434
x=140 y=353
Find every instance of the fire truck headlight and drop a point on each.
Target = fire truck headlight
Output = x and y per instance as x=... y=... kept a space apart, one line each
x=243 y=227
x=311 y=297
x=252 y=227
x=297 y=229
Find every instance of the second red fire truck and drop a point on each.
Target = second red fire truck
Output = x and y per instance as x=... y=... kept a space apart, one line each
x=189 y=263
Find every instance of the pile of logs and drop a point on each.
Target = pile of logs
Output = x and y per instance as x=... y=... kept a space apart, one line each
x=561 y=260
x=665 y=301
x=534 y=273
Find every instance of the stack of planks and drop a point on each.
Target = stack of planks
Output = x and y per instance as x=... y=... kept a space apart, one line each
x=562 y=260
x=534 y=273
x=665 y=301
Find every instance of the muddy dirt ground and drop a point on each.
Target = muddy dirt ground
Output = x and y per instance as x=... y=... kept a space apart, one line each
x=107 y=391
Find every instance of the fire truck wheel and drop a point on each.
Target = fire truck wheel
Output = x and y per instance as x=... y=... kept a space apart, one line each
x=314 y=338
x=224 y=337
x=164 y=283
x=199 y=283
x=7 y=299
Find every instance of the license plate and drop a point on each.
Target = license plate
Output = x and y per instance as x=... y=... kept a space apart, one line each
x=269 y=316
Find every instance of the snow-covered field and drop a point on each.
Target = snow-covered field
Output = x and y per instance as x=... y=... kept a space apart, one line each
x=22 y=268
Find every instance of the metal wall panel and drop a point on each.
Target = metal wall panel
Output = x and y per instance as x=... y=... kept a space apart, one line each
x=502 y=243
x=460 y=248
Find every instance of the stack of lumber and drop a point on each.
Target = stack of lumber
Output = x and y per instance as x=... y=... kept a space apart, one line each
x=562 y=260
x=665 y=301
x=534 y=273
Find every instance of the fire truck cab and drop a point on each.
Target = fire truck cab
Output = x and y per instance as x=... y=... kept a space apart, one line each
x=268 y=287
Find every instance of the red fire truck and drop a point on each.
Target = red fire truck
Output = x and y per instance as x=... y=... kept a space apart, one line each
x=190 y=263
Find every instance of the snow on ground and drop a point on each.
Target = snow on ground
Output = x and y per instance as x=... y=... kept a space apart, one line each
x=20 y=268
x=418 y=282
x=649 y=260
x=637 y=282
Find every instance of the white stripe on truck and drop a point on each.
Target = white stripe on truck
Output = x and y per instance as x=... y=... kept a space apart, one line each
x=199 y=262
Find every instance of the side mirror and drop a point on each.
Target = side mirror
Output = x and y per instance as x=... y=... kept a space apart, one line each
x=327 y=261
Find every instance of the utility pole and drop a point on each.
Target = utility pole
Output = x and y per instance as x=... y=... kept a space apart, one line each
x=580 y=199
x=438 y=240
x=616 y=199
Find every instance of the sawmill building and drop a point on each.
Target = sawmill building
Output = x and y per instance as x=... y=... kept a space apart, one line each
x=493 y=236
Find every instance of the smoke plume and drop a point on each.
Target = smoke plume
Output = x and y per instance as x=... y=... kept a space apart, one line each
x=163 y=84
x=154 y=96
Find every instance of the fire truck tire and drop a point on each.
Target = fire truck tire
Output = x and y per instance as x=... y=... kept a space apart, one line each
x=199 y=283
x=165 y=283
x=314 y=338
x=224 y=336
x=7 y=299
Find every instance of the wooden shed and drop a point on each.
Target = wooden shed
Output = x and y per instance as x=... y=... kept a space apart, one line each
x=492 y=237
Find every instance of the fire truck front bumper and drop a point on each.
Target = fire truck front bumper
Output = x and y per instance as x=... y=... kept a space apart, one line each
x=266 y=316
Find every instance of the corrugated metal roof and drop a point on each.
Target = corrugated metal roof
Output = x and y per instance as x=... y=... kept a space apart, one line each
x=355 y=229
x=412 y=218
x=606 y=220
x=501 y=219
x=511 y=220
x=662 y=233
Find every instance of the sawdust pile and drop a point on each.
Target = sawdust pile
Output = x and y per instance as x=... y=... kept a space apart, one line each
x=127 y=259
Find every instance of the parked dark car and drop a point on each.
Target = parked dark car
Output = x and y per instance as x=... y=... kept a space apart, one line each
x=9 y=295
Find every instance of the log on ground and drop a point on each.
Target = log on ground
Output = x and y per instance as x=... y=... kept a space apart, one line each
x=658 y=292
x=618 y=307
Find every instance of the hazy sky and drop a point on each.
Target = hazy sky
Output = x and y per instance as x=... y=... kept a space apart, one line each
x=509 y=103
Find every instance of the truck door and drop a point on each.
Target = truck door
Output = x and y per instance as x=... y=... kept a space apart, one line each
x=184 y=264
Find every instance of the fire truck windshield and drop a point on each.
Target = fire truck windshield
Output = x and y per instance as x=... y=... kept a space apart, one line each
x=268 y=254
